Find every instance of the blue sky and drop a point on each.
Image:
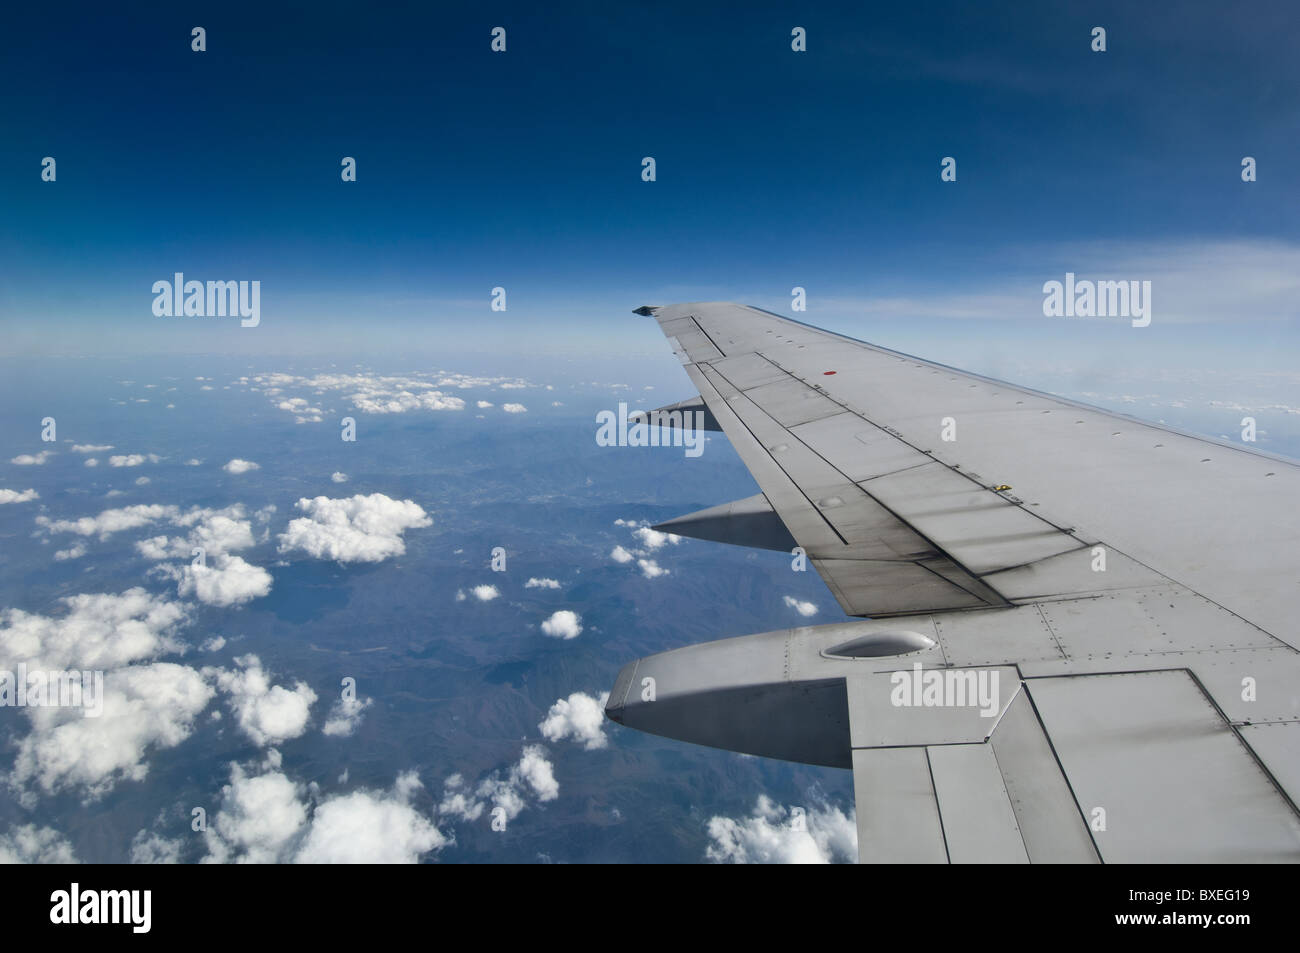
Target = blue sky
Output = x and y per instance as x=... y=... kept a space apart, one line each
x=522 y=169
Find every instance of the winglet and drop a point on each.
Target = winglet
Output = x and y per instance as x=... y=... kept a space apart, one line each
x=647 y=310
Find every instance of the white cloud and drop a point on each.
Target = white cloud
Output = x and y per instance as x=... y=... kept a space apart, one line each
x=564 y=624
x=98 y=631
x=303 y=411
x=214 y=531
x=651 y=569
x=91 y=462
x=268 y=819
x=579 y=717
x=364 y=828
x=775 y=835
x=18 y=496
x=356 y=529
x=533 y=775
x=91 y=448
x=484 y=404
x=29 y=844
x=485 y=593
x=132 y=459
x=535 y=583
x=144 y=707
x=238 y=466
x=148 y=847
x=259 y=819
x=75 y=551
x=345 y=715
x=226 y=581
x=32 y=460
x=338 y=477
x=514 y=408
x=805 y=609
x=268 y=714
x=109 y=522
x=653 y=539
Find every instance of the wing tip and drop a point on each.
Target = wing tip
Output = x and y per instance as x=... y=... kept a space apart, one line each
x=646 y=310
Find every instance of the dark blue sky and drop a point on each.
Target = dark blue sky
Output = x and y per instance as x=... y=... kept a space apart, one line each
x=522 y=169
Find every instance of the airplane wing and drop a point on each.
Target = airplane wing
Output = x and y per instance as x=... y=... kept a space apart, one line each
x=1079 y=637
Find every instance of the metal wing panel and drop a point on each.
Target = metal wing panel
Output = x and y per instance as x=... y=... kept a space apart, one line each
x=1097 y=476
x=979 y=823
x=1106 y=477
x=1159 y=773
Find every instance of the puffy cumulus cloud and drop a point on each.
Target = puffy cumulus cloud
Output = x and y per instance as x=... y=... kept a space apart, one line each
x=536 y=770
x=98 y=631
x=345 y=715
x=303 y=411
x=75 y=551
x=268 y=714
x=532 y=776
x=650 y=541
x=365 y=828
x=514 y=408
x=259 y=819
x=227 y=581
x=653 y=540
x=338 y=477
x=132 y=459
x=821 y=834
x=92 y=447
x=564 y=624
x=269 y=818
x=484 y=404
x=113 y=521
x=237 y=466
x=148 y=847
x=32 y=459
x=214 y=531
x=484 y=593
x=365 y=529
x=535 y=583
x=805 y=609
x=91 y=462
x=144 y=707
x=373 y=393
x=399 y=402
x=651 y=569
x=18 y=496
x=29 y=844
x=579 y=717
